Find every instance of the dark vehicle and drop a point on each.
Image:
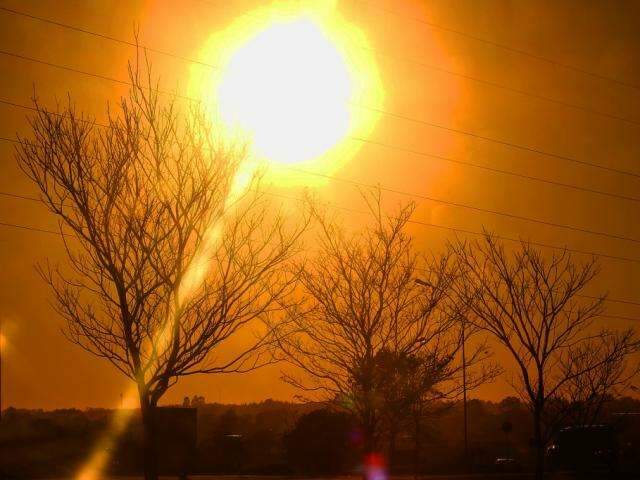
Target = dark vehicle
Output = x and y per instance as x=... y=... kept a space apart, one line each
x=506 y=465
x=584 y=447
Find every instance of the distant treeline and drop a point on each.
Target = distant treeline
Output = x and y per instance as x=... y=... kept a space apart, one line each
x=275 y=437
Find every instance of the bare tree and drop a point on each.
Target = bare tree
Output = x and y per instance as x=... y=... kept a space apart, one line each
x=606 y=373
x=166 y=261
x=532 y=306
x=360 y=307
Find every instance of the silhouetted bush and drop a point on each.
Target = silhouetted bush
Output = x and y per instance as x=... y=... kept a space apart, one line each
x=320 y=443
x=278 y=438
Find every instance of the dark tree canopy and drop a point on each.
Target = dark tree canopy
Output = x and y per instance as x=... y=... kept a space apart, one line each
x=321 y=443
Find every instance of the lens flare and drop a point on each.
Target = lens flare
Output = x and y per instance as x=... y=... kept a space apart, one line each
x=93 y=469
x=374 y=467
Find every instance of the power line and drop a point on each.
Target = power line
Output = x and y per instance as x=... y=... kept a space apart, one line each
x=508 y=88
x=500 y=237
x=89 y=74
x=356 y=138
x=503 y=142
x=537 y=244
x=34 y=109
x=472 y=232
x=375 y=51
x=498 y=170
x=27 y=227
x=619 y=317
x=102 y=35
x=506 y=47
x=288 y=197
x=366 y=107
x=456 y=204
x=614 y=300
x=62 y=67
x=20 y=197
x=446 y=159
x=470 y=134
x=476 y=233
x=440 y=201
x=464 y=163
x=467 y=206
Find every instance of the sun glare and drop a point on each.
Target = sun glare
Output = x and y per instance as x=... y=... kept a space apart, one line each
x=289 y=87
x=287 y=82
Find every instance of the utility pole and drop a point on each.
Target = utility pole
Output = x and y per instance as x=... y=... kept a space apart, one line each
x=1 y=348
x=464 y=377
x=464 y=391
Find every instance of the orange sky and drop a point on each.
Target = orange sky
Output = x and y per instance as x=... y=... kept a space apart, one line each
x=41 y=369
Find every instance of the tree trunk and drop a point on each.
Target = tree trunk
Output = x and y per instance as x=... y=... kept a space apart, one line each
x=149 y=447
x=372 y=459
x=417 y=444
x=538 y=444
x=391 y=456
x=368 y=434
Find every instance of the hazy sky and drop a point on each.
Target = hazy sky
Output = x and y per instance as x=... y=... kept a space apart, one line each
x=41 y=369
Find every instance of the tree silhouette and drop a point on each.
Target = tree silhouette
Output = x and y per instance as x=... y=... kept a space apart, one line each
x=320 y=443
x=596 y=374
x=364 y=321
x=162 y=267
x=531 y=305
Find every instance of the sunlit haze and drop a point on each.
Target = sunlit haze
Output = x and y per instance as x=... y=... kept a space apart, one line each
x=319 y=238
x=415 y=96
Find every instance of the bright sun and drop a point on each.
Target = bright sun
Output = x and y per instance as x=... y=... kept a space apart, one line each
x=289 y=77
x=289 y=88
